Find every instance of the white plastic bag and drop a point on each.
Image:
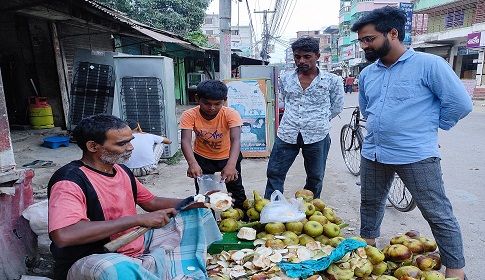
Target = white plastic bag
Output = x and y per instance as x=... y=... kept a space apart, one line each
x=281 y=210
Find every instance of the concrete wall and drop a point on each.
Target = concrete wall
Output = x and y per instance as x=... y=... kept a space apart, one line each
x=18 y=242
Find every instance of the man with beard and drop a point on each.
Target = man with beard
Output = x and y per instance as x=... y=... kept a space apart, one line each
x=93 y=200
x=312 y=98
x=405 y=97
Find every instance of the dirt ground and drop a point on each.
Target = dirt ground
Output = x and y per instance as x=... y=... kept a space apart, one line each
x=172 y=181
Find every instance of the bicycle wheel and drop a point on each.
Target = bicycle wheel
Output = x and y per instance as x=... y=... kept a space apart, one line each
x=400 y=197
x=350 y=145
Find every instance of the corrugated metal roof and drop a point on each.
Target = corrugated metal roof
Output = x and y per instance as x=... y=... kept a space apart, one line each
x=155 y=33
x=47 y=10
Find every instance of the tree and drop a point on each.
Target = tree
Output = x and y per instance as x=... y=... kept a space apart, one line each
x=177 y=16
x=198 y=37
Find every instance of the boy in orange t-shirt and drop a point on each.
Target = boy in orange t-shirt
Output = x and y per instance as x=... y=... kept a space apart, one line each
x=217 y=144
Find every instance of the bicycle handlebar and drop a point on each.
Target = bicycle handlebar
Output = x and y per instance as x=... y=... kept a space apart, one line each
x=351 y=107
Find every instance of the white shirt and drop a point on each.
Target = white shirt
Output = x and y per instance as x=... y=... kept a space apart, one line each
x=143 y=155
x=309 y=111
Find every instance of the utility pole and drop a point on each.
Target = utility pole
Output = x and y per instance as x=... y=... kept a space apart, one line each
x=265 y=36
x=225 y=39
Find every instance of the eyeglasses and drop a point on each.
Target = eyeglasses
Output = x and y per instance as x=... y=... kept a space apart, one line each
x=367 y=39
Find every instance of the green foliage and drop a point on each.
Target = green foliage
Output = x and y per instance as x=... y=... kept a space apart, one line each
x=175 y=159
x=177 y=16
x=198 y=37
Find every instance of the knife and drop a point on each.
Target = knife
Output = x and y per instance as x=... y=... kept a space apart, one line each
x=126 y=238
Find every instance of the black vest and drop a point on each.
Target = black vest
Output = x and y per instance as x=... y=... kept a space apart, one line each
x=67 y=256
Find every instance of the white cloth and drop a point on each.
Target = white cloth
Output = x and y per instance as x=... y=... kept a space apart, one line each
x=143 y=154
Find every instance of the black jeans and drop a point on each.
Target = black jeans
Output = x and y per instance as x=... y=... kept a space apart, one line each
x=210 y=166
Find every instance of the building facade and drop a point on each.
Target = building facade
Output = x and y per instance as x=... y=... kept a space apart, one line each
x=242 y=42
x=453 y=30
x=326 y=36
x=351 y=56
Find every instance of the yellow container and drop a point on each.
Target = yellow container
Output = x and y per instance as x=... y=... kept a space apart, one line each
x=40 y=113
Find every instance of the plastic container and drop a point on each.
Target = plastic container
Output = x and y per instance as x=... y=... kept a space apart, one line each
x=55 y=142
x=210 y=182
x=40 y=113
x=229 y=242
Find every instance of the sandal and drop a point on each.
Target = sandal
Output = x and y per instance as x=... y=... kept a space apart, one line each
x=39 y=164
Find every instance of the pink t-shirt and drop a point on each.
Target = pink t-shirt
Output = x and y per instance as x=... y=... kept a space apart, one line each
x=67 y=203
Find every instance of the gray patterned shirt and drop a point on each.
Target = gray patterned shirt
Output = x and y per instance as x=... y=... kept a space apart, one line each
x=309 y=111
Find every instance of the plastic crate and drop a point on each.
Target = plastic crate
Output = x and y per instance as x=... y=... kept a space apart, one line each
x=229 y=242
x=54 y=142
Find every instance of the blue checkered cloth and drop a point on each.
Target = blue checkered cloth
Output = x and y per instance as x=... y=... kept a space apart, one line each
x=307 y=268
x=176 y=251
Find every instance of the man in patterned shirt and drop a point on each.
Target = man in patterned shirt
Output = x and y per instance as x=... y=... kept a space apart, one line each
x=312 y=98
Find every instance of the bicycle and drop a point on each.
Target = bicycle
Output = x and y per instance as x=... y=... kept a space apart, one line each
x=351 y=139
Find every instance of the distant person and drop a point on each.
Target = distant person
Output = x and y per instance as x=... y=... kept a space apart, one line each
x=217 y=144
x=312 y=98
x=349 y=83
x=148 y=148
x=405 y=97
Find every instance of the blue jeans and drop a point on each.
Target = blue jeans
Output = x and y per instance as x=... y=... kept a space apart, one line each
x=282 y=157
x=424 y=181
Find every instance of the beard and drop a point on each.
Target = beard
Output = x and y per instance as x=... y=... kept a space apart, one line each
x=108 y=157
x=373 y=55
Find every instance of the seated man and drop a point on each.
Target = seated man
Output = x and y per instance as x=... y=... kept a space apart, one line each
x=148 y=148
x=93 y=200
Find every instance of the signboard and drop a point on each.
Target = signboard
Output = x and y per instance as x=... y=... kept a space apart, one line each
x=248 y=97
x=408 y=27
x=476 y=40
x=348 y=52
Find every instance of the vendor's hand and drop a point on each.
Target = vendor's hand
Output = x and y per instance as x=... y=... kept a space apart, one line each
x=158 y=219
x=194 y=171
x=229 y=173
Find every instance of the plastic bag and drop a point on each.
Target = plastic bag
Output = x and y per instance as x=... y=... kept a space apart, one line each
x=281 y=210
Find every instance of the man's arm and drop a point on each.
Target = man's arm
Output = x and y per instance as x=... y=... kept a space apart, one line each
x=336 y=97
x=455 y=101
x=362 y=99
x=166 y=141
x=229 y=171
x=84 y=231
x=194 y=169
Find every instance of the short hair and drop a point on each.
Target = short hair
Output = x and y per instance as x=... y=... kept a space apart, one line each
x=212 y=90
x=94 y=128
x=246 y=124
x=384 y=20
x=132 y=124
x=306 y=44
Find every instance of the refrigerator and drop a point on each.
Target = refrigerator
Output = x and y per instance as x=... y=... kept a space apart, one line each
x=144 y=92
x=254 y=101
x=92 y=85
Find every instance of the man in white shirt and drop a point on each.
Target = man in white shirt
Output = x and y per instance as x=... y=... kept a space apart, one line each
x=147 y=152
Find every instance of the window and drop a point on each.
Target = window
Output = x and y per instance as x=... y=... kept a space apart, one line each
x=454 y=18
x=208 y=20
x=317 y=32
x=234 y=32
x=209 y=32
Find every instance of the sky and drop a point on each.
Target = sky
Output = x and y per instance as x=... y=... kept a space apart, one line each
x=300 y=15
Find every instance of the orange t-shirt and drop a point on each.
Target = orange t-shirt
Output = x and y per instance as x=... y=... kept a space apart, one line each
x=212 y=137
x=67 y=203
